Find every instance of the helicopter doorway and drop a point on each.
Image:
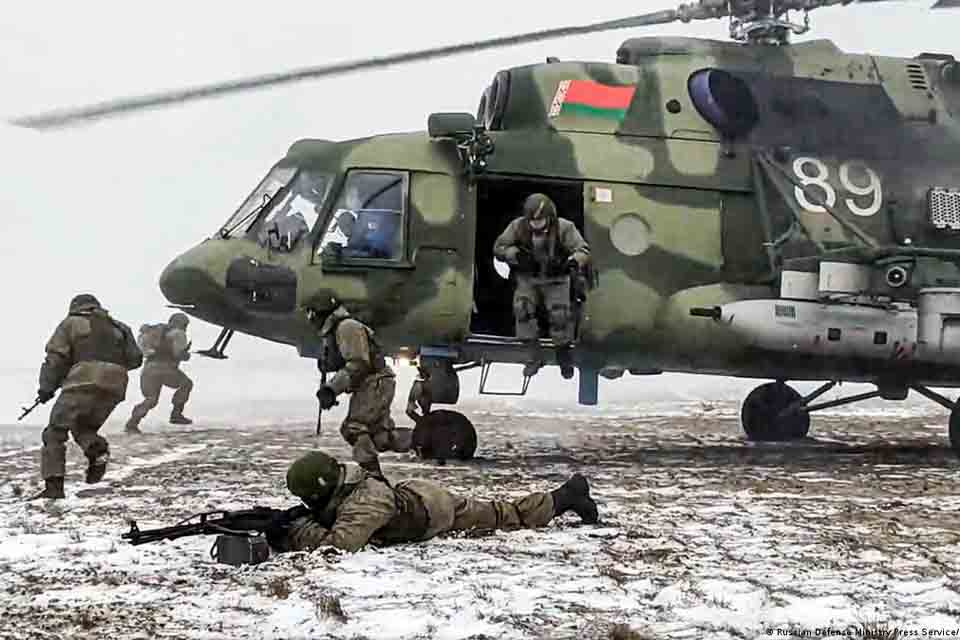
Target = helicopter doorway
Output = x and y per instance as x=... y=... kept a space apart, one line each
x=499 y=201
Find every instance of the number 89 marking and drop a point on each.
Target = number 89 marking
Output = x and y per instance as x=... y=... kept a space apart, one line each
x=819 y=177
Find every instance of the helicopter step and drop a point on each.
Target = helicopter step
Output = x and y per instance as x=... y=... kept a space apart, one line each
x=219 y=345
x=776 y=412
x=491 y=349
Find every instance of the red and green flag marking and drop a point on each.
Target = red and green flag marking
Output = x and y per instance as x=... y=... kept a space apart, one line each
x=588 y=98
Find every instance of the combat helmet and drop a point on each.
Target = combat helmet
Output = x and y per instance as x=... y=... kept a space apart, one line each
x=539 y=211
x=314 y=477
x=84 y=302
x=179 y=321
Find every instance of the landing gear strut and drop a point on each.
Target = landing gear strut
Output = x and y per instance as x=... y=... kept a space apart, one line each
x=777 y=412
x=219 y=345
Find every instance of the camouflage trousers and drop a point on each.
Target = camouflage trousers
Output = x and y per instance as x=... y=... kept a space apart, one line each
x=447 y=512
x=552 y=295
x=153 y=378
x=80 y=412
x=450 y=512
x=368 y=427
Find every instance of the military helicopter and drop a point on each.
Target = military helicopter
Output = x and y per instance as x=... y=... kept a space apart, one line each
x=754 y=208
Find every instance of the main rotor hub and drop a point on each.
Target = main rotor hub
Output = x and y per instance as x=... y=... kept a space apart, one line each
x=765 y=21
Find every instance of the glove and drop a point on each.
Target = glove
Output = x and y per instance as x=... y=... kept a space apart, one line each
x=276 y=531
x=327 y=397
x=44 y=395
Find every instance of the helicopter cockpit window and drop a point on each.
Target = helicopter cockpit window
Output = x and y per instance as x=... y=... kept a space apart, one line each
x=292 y=213
x=242 y=221
x=367 y=221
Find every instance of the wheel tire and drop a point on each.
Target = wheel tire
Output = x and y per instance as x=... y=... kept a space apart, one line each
x=444 y=435
x=955 y=431
x=759 y=414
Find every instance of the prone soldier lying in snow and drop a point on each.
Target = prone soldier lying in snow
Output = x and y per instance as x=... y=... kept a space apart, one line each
x=350 y=507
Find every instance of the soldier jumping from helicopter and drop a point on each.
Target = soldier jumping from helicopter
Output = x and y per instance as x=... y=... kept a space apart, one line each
x=542 y=250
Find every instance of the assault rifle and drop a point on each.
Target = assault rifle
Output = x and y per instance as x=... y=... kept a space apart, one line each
x=239 y=540
x=27 y=410
x=234 y=523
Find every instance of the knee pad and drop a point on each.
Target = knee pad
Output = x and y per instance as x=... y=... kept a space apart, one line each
x=54 y=434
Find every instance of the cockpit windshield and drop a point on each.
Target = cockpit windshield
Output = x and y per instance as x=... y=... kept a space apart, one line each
x=290 y=215
x=242 y=221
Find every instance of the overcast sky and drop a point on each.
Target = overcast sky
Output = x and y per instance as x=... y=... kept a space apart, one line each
x=103 y=208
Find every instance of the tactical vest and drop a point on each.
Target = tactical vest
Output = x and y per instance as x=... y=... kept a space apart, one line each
x=105 y=342
x=332 y=360
x=556 y=253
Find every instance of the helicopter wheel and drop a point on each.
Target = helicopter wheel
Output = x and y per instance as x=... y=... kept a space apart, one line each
x=955 y=429
x=443 y=434
x=760 y=414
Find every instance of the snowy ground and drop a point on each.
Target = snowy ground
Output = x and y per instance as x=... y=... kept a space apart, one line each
x=702 y=536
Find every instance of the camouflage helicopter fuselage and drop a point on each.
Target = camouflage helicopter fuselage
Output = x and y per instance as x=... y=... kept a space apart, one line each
x=678 y=213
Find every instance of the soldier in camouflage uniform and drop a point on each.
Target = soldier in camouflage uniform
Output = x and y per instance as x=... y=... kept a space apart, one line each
x=542 y=249
x=350 y=507
x=163 y=370
x=362 y=371
x=88 y=358
x=419 y=397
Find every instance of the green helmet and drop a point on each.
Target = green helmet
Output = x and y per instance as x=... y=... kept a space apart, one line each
x=84 y=302
x=313 y=477
x=179 y=321
x=539 y=211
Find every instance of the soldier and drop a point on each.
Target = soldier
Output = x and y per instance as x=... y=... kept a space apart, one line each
x=349 y=507
x=542 y=250
x=419 y=397
x=163 y=370
x=88 y=357
x=362 y=371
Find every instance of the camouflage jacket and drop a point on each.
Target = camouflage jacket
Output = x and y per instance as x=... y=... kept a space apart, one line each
x=356 y=354
x=563 y=241
x=365 y=508
x=176 y=349
x=90 y=350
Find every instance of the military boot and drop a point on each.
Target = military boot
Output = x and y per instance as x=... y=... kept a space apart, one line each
x=574 y=495
x=97 y=467
x=177 y=417
x=53 y=490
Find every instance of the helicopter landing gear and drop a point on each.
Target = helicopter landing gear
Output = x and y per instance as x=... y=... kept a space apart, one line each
x=954 y=407
x=955 y=430
x=219 y=345
x=773 y=412
x=443 y=434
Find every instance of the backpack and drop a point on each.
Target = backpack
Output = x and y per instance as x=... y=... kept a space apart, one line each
x=152 y=339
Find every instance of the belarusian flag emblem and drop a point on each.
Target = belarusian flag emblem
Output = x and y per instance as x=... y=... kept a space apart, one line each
x=587 y=98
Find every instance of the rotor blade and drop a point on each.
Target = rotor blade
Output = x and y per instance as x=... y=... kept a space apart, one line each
x=124 y=105
x=946 y=4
